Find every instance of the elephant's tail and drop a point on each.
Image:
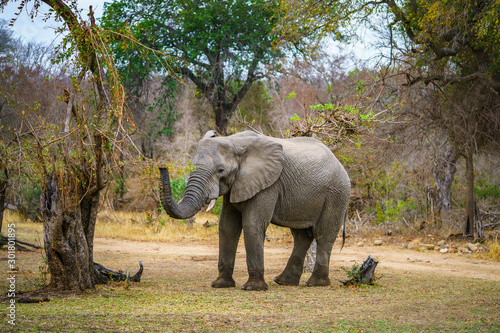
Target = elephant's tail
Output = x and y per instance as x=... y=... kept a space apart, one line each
x=343 y=231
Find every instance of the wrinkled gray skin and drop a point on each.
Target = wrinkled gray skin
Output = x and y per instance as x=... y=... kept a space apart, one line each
x=296 y=183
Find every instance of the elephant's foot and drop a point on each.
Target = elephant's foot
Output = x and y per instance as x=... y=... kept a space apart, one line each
x=317 y=281
x=223 y=282
x=255 y=285
x=287 y=279
x=255 y=280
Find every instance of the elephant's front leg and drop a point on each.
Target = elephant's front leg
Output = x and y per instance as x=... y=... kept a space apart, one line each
x=254 y=231
x=229 y=235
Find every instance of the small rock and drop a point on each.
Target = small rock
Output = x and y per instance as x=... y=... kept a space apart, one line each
x=360 y=244
x=444 y=250
x=472 y=247
x=412 y=246
x=441 y=242
x=404 y=246
x=378 y=242
x=425 y=247
x=452 y=250
x=463 y=249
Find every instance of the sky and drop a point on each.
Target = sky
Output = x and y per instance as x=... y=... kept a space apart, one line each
x=37 y=29
x=44 y=32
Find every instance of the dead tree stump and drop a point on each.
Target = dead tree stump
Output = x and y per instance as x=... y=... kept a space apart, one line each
x=364 y=274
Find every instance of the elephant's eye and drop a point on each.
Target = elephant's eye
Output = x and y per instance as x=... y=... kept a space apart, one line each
x=221 y=170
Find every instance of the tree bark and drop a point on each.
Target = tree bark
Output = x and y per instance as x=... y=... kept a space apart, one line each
x=444 y=172
x=221 y=120
x=470 y=202
x=3 y=194
x=69 y=236
x=310 y=260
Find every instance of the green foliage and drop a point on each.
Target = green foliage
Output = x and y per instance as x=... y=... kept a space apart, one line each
x=295 y=117
x=120 y=186
x=219 y=45
x=178 y=186
x=218 y=206
x=486 y=189
x=163 y=106
x=354 y=276
x=332 y=124
x=393 y=210
x=253 y=110
x=354 y=273
x=27 y=195
x=41 y=280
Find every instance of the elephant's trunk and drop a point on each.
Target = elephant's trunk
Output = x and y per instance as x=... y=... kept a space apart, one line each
x=192 y=202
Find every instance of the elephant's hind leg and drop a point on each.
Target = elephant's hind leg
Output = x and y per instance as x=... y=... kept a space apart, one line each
x=325 y=234
x=290 y=276
x=321 y=270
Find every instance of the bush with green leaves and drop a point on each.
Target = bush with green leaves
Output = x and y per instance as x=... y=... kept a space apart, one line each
x=487 y=190
x=178 y=186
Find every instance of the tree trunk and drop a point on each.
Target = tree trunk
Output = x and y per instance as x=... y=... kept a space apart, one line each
x=470 y=211
x=147 y=147
x=69 y=235
x=478 y=223
x=444 y=170
x=221 y=119
x=3 y=194
x=310 y=260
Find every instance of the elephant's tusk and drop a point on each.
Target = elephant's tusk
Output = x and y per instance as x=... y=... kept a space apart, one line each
x=211 y=205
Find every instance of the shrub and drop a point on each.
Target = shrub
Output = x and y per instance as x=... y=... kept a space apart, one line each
x=486 y=189
x=218 y=206
x=178 y=186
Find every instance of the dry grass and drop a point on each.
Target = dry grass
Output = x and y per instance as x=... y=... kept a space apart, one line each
x=153 y=227
x=148 y=227
x=144 y=227
x=494 y=249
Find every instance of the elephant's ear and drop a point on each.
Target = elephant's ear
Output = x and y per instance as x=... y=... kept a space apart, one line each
x=210 y=134
x=261 y=163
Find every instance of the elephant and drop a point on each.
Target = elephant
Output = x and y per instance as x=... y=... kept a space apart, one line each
x=296 y=183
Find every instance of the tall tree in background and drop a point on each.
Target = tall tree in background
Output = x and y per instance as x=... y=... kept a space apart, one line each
x=221 y=46
x=449 y=50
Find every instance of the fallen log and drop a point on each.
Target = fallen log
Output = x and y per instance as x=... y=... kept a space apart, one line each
x=103 y=275
x=29 y=300
x=4 y=240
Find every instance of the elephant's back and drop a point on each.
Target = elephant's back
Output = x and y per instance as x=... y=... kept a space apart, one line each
x=312 y=176
x=309 y=161
x=306 y=154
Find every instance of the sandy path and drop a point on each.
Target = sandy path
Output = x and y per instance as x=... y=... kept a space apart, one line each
x=390 y=257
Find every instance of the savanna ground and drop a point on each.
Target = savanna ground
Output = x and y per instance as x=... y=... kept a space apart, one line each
x=416 y=291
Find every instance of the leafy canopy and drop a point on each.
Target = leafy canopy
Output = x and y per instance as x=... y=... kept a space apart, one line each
x=222 y=46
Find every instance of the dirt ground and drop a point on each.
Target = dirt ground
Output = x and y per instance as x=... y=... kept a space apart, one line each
x=391 y=258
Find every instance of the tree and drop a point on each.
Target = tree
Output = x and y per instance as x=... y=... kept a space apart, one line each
x=222 y=46
x=76 y=150
x=448 y=50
